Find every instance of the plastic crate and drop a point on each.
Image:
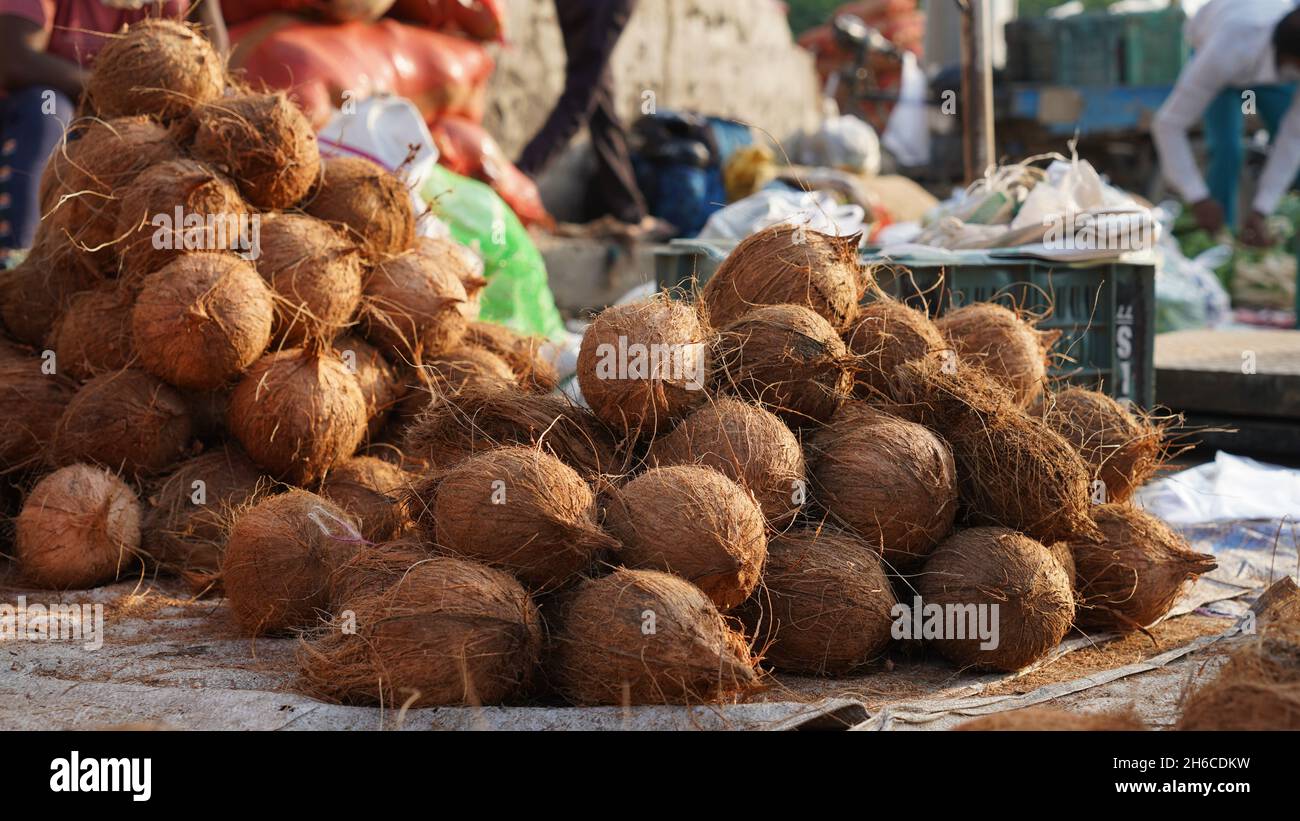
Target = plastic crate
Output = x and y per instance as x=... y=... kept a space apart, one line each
x=1090 y=50
x=1154 y=47
x=1031 y=50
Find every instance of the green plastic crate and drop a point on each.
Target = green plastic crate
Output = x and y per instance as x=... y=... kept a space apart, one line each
x=1090 y=50
x=1032 y=50
x=1154 y=47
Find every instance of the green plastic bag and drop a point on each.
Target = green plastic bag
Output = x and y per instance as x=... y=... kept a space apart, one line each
x=517 y=294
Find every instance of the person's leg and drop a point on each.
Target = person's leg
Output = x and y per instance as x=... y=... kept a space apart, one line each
x=614 y=183
x=1223 y=127
x=32 y=121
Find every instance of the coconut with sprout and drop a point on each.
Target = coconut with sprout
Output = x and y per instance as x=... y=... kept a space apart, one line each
x=414 y=308
x=34 y=293
x=376 y=377
x=747 y=444
x=369 y=490
x=297 y=412
x=163 y=68
x=886 y=334
x=280 y=555
x=825 y=607
x=787 y=265
x=1122 y=448
x=646 y=637
x=79 y=527
x=93 y=334
x=33 y=401
x=126 y=420
x=786 y=358
x=1133 y=574
x=694 y=522
x=371 y=204
x=521 y=353
x=447 y=631
x=992 y=573
x=316 y=273
x=202 y=319
x=1000 y=341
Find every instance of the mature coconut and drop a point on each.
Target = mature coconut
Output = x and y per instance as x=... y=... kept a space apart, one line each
x=645 y=637
x=93 y=334
x=36 y=291
x=521 y=353
x=376 y=567
x=446 y=252
x=202 y=319
x=825 y=606
x=1064 y=555
x=414 y=308
x=369 y=490
x=159 y=67
x=1135 y=572
x=1000 y=341
x=1011 y=582
x=516 y=508
x=126 y=420
x=694 y=522
x=892 y=482
x=1055 y=719
x=316 y=273
x=484 y=416
x=644 y=364
x=1257 y=689
x=747 y=444
x=263 y=141
x=1122 y=448
x=787 y=265
x=787 y=358
x=279 y=557
x=886 y=334
x=453 y=371
x=79 y=527
x=376 y=377
x=174 y=207
x=32 y=400
x=297 y=412
x=370 y=203
x=448 y=631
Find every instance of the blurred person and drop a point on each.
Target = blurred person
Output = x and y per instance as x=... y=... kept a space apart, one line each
x=46 y=47
x=1239 y=46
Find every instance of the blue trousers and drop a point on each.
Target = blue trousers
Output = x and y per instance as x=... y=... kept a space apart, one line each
x=32 y=121
x=1224 y=122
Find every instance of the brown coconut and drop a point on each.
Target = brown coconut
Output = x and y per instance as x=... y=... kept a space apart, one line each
x=986 y=566
x=468 y=265
x=202 y=319
x=372 y=205
x=1135 y=572
x=280 y=555
x=369 y=489
x=316 y=273
x=32 y=400
x=787 y=265
x=998 y=340
x=747 y=444
x=34 y=293
x=79 y=527
x=886 y=334
x=93 y=335
x=1122 y=448
x=453 y=371
x=646 y=637
x=375 y=375
x=644 y=364
x=448 y=631
x=262 y=141
x=1065 y=556
x=521 y=353
x=1258 y=688
x=128 y=421
x=213 y=216
x=1054 y=719
x=788 y=359
x=414 y=308
x=163 y=68
x=190 y=509
x=892 y=482
x=825 y=607
x=376 y=567
x=297 y=412
x=516 y=508
x=694 y=522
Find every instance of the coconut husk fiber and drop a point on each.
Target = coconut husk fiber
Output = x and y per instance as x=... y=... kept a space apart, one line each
x=997 y=339
x=644 y=364
x=32 y=400
x=128 y=421
x=158 y=67
x=482 y=417
x=984 y=566
x=372 y=205
x=262 y=141
x=376 y=567
x=886 y=334
x=1133 y=574
x=376 y=377
x=35 y=292
x=414 y=308
x=516 y=508
x=646 y=637
x=1257 y=689
x=369 y=489
x=453 y=371
x=316 y=273
x=892 y=482
x=825 y=607
x=93 y=334
x=280 y=554
x=1054 y=719
x=694 y=522
x=1122 y=448
x=79 y=527
x=787 y=264
x=463 y=260
x=448 y=631
x=746 y=443
x=202 y=319
x=521 y=353
x=788 y=359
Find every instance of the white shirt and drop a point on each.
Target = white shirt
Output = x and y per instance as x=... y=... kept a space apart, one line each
x=1233 y=44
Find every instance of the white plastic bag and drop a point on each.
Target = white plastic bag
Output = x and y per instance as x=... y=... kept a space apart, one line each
x=816 y=209
x=907 y=134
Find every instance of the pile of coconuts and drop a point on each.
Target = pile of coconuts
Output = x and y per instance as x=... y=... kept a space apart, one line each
x=758 y=481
